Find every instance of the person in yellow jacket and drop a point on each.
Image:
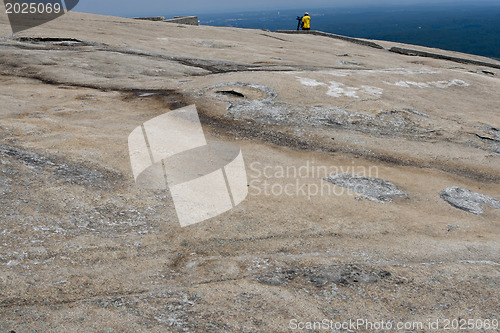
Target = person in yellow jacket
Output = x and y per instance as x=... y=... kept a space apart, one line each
x=306 y=22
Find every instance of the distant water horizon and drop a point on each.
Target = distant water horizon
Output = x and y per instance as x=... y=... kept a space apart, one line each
x=472 y=28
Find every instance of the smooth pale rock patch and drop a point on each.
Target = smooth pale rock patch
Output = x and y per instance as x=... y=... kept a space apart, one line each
x=374 y=189
x=469 y=201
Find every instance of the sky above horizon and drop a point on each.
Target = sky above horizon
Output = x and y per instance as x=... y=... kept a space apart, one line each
x=129 y=8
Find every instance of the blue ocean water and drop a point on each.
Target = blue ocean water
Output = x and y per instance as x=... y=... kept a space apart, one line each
x=471 y=28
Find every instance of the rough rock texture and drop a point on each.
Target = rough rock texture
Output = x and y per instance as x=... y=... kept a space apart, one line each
x=371 y=188
x=469 y=201
x=83 y=249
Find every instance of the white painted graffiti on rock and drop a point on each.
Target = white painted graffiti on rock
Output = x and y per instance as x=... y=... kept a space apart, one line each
x=337 y=89
x=434 y=84
x=310 y=82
